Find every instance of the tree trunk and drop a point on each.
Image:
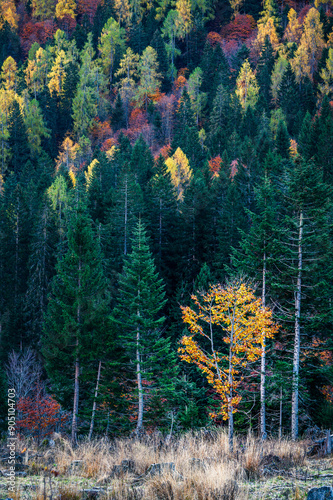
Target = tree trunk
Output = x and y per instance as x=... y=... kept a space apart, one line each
x=139 y=424
x=95 y=404
x=77 y=366
x=76 y=399
x=297 y=344
x=280 y=419
x=125 y=219
x=230 y=382
x=263 y=363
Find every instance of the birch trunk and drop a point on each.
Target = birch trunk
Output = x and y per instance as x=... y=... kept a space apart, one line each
x=139 y=382
x=230 y=382
x=95 y=403
x=76 y=398
x=280 y=420
x=297 y=344
x=263 y=363
x=77 y=367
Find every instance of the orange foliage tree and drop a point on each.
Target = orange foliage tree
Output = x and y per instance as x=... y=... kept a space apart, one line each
x=234 y=315
x=241 y=28
x=40 y=414
x=215 y=165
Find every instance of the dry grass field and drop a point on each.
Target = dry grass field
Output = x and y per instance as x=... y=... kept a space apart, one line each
x=192 y=467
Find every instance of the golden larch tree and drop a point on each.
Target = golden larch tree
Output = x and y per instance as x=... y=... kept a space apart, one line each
x=247 y=89
x=311 y=45
x=180 y=172
x=9 y=73
x=293 y=31
x=8 y=13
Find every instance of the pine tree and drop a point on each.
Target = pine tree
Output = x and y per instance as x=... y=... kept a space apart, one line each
x=18 y=140
x=264 y=72
x=139 y=319
x=186 y=135
x=282 y=140
x=141 y=163
x=288 y=99
x=75 y=326
x=16 y=222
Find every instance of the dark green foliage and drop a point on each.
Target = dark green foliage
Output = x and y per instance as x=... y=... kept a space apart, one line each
x=76 y=325
x=18 y=141
x=141 y=163
x=186 y=135
x=158 y=44
x=289 y=99
x=9 y=43
x=264 y=70
x=16 y=221
x=282 y=140
x=118 y=114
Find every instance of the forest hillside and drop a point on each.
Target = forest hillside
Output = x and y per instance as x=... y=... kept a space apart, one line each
x=166 y=250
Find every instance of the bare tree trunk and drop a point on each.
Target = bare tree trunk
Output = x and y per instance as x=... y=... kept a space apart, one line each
x=297 y=344
x=76 y=399
x=95 y=403
x=139 y=425
x=280 y=419
x=263 y=363
x=77 y=368
x=230 y=382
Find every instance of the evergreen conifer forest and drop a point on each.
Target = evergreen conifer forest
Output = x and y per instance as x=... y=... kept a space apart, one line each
x=166 y=216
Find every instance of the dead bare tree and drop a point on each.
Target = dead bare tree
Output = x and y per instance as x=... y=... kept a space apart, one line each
x=23 y=372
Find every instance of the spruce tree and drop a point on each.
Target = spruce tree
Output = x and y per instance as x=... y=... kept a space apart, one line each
x=75 y=326
x=138 y=318
x=18 y=140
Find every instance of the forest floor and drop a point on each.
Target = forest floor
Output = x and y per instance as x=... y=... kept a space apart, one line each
x=190 y=467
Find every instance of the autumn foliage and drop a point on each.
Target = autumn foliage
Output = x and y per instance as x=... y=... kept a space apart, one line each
x=40 y=414
x=241 y=28
x=231 y=314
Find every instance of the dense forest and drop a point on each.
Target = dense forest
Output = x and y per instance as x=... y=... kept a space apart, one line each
x=159 y=157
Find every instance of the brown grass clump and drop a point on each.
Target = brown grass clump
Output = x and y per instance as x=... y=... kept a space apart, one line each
x=68 y=492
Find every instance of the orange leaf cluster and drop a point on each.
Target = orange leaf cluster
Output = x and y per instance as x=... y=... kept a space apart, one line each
x=243 y=323
x=241 y=28
x=41 y=414
x=215 y=165
x=327 y=391
x=38 y=32
x=214 y=38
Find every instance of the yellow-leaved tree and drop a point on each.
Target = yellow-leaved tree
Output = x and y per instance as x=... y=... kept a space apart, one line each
x=180 y=172
x=234 y=315
x=247 y=89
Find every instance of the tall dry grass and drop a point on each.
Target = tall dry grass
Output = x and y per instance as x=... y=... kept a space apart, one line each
x=205 y=470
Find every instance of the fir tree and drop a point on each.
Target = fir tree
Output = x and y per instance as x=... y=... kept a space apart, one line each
x=138 y=317
x=75 y=324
